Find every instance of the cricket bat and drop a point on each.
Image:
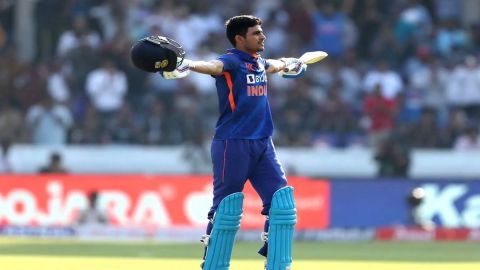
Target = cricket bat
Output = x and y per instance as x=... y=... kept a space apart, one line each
x=307 y=58
x=313 y=57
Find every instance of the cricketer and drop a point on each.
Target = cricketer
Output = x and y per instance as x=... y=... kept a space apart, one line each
x=242 y=147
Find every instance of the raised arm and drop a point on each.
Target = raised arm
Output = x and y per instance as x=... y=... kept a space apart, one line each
x=213 y=67
x=275 y=65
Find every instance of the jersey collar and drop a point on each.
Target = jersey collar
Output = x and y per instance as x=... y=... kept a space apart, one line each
x=244 y=55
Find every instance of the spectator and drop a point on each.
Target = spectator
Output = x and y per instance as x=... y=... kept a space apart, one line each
x=12 y=71
x=414 y=23
x=92 y=215
x=275 y=26
x=393 y=158
x=57 y=85
x=302 y=101
x=48 y=122
x=48 y=27
x=54 y=166
x=450 y=36
x=155 y=123
x=78 y=8
x=457 y=123
x=110 y=16
x=78 y=35
x=292 y=129
x=429 y=80
x=297 y=120
x=189 y=123
x=470 y=140
x=368 y=17
x=122 y=129
x=197 y=154
x=350 y=79
x=424 y=133
x=335 y=117
x=107 y=87
x=32 y=88
x=379 y=113
x=163 y=90
x=463 y=90
x=333 y=32
x=80 y=61
x=11 y=121
x=193 y=29
x=390 y=82
x=300 y=24
x=408 y=111
x=88 y=129
x=385 y=46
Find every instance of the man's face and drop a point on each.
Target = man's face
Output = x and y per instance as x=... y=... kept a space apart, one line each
x=254 y=39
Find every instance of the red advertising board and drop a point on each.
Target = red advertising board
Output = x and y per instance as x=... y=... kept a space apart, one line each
x=140 y=200
x=434 y=234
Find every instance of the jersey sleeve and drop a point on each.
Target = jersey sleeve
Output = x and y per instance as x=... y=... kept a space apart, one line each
x=229 y=62
x=265 y=63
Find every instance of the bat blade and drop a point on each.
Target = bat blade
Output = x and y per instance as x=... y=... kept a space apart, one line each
x=313 y=57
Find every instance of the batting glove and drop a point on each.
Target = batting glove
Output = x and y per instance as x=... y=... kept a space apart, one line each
x=181 y=71
x=294 y=68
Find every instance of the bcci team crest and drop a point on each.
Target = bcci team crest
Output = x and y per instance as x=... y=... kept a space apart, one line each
x=161 y=64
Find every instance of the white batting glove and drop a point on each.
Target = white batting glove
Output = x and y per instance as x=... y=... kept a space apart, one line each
x=290 y=63
x=181 y=71
x=294 y=68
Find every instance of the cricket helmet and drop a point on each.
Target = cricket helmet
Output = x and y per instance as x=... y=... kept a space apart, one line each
x=157 y=53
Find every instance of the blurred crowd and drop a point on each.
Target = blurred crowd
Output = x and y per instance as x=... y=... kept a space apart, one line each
x=400 y=74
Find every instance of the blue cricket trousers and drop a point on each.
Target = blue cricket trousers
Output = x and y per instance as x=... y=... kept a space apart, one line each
x=236 y=160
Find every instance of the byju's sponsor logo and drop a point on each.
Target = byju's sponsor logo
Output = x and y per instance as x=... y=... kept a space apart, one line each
x=253 y=78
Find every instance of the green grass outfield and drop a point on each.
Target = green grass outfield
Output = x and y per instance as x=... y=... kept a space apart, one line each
x=20 y=254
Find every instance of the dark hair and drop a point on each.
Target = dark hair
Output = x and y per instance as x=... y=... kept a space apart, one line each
x=239 y=25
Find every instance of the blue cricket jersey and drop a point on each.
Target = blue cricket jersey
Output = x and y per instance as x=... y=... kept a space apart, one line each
x=242 y=94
